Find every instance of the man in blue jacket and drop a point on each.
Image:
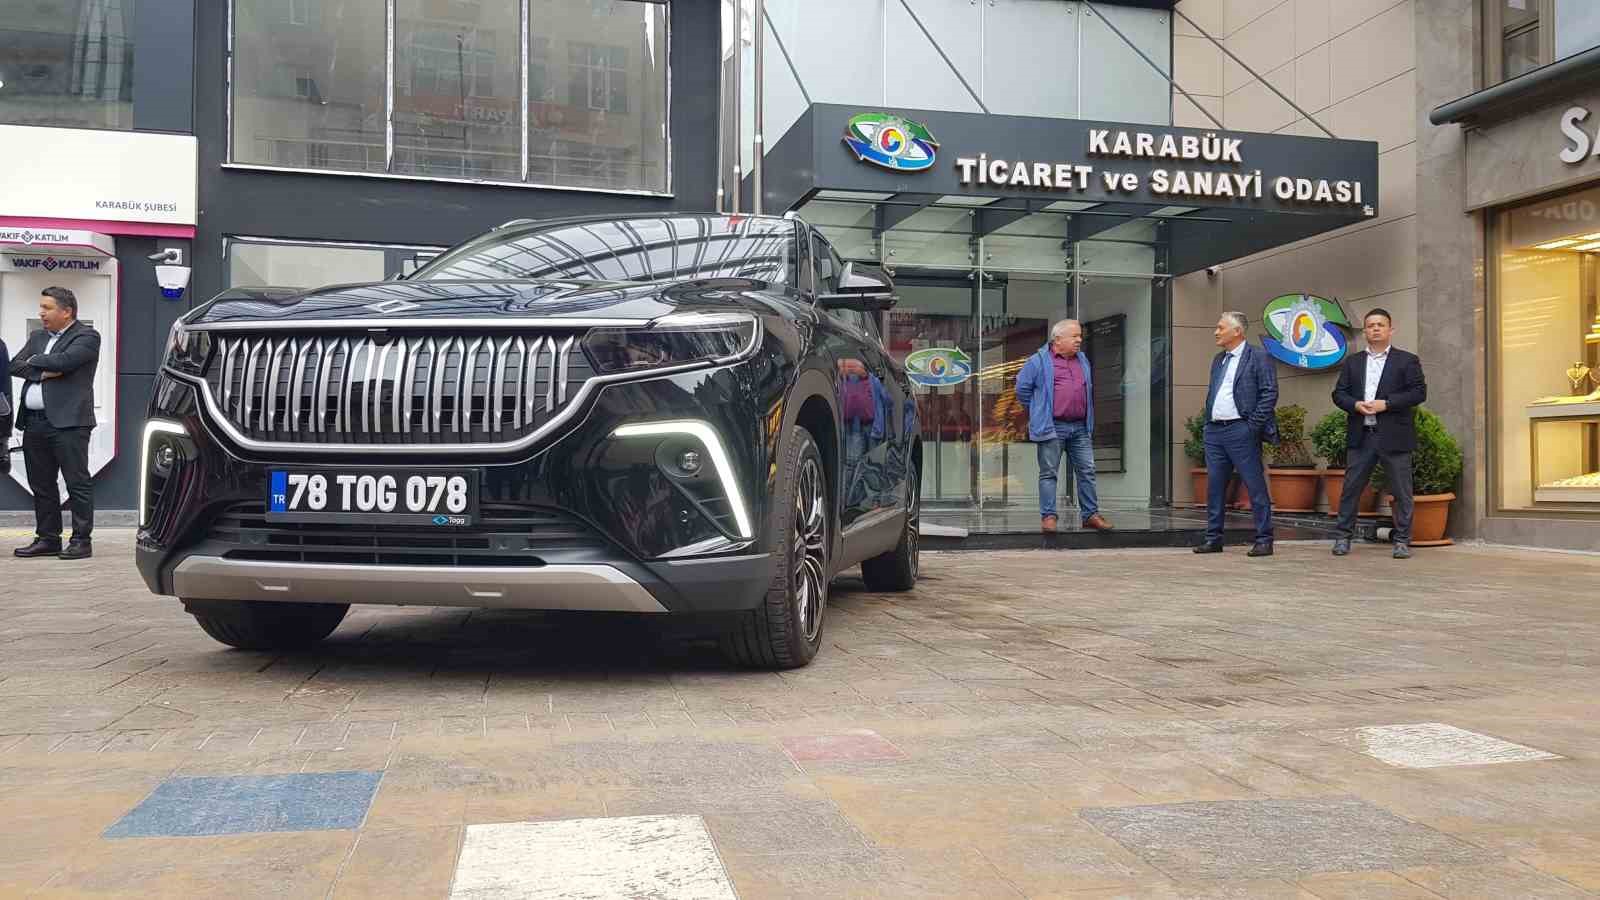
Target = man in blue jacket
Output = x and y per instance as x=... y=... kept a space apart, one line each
x=1241 y=412
x=1056 y=385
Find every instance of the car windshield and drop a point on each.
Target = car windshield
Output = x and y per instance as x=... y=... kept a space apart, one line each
x=644 y=249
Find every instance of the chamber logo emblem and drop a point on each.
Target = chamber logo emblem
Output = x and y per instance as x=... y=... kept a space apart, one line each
x=938 y=366
x=1305 y=331
x=891 y=142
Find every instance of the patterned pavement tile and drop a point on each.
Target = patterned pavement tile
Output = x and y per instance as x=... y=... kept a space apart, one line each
x=1276 y=838
x=1430 y=745
x=247 y=804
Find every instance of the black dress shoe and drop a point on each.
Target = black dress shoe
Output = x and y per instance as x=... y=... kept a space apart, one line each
x=1209 y=547
x=77 y=550
x=1263 y=548
x=39 y=547
x=1341 y=547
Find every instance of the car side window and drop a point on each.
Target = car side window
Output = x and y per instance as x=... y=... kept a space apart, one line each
x=826 y=265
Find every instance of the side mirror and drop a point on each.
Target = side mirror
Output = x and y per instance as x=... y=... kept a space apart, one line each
x=862 y=288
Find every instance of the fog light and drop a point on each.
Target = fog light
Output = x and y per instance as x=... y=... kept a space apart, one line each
x=163 y=461
x=689 y=461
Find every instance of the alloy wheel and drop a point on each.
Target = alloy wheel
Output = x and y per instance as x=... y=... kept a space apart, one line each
x=914 y=522
x=810 y=554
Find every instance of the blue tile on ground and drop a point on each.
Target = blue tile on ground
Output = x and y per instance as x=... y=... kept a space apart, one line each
x=242 y=804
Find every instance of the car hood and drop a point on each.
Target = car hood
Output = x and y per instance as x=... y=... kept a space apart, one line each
x=421 y=302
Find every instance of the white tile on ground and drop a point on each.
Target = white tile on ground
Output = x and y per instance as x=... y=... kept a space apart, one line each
x=665 y=857
x=1429 y=745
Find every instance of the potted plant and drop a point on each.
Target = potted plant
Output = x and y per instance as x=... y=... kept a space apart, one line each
x=1329 y=440
x=1292 y=476
x=1194 y=447
x=1435 y=470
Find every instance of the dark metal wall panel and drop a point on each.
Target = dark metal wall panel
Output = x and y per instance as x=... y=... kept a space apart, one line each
x=163 y=68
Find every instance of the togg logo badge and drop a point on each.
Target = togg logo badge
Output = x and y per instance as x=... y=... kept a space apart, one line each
x=1305 y=331
x=890 y=141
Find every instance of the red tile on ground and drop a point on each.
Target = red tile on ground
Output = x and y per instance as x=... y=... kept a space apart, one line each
x=856 y=744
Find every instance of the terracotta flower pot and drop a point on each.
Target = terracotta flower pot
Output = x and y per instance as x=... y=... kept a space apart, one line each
x=1333 y=489
x=1430 y=516
x=1197 y=479
x=1293 y=490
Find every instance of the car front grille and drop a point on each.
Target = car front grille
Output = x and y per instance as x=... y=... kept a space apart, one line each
x=506 y=534
x=371 y=389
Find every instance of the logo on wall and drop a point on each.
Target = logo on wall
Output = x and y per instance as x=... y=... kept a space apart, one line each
x=890 y=141
x=938 y=366
x=1306 y=332
x=50 y=263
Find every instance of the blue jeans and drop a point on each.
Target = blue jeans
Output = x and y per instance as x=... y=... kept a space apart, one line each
x=1229 y=447
x=1079 y=444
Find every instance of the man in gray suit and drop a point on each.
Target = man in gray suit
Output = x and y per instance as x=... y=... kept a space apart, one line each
x=55 y=410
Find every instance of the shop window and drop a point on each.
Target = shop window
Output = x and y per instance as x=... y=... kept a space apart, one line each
x=594 y=112
x=1545 y=376
x=1522 y=35
x=67 y=63
x=258 y=262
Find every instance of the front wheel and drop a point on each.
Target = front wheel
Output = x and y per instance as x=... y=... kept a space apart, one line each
x=785 y=631
x=896 y=570
x=263 y=625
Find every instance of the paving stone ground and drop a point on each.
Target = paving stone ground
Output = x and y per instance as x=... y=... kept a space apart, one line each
x=1141 y=723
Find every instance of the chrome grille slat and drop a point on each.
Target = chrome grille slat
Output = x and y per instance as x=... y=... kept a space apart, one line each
x=367 y=388
x=499 y=389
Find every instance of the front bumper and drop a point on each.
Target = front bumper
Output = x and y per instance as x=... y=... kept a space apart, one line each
x=586 y=521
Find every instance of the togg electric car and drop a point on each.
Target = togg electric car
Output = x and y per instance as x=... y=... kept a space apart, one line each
x=691 y=416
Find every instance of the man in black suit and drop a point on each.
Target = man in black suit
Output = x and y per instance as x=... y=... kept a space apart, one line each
x=1379 y=388
x=55 y=411
x=1241 y=412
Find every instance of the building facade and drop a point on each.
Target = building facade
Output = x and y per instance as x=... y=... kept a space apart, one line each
x=305 y=142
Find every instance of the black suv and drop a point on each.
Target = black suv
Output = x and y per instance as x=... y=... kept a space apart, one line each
x=686 y=414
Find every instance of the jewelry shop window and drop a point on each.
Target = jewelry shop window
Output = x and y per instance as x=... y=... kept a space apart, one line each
x=556 y=93
x=1545 y=377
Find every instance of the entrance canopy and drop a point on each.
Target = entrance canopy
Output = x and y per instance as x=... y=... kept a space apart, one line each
x=1210 y=196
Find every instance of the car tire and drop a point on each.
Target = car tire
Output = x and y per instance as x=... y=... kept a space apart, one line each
x=896 y=570
x=258 y=625
x=785 y=630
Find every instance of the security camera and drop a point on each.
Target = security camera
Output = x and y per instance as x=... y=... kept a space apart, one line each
x=167 y=256
x=1213 y=271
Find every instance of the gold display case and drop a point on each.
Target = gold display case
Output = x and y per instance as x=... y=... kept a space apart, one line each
x=1565 y=436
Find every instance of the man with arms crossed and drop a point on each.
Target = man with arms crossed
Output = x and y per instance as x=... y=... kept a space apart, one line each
x=55 y=411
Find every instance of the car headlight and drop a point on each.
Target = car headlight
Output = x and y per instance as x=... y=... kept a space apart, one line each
x=187 y=351
x=672 y=340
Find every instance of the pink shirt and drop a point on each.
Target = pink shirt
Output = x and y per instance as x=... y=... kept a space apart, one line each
x=1071 y=390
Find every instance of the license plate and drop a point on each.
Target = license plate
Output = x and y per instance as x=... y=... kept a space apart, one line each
x=441 y=498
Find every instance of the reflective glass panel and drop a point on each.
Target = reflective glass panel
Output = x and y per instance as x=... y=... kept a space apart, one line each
x=67 y=63
x=597 y=94
x=458 y=77
x=308 y=84
x=1545 y=387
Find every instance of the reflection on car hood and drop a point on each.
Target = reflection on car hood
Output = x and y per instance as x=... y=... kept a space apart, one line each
x=400 y=301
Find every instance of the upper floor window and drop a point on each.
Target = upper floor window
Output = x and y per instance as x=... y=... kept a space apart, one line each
x=581 y=103
x=67 y=63
x=1522 y=35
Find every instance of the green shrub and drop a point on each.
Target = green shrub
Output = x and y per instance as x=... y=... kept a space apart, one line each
x=1291 y=452
x=1194 y=446
x=1435 y=464
x=1329 y=438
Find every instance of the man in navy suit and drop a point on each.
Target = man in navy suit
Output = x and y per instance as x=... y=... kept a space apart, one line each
x=1381 y=388
x=1241 y=412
